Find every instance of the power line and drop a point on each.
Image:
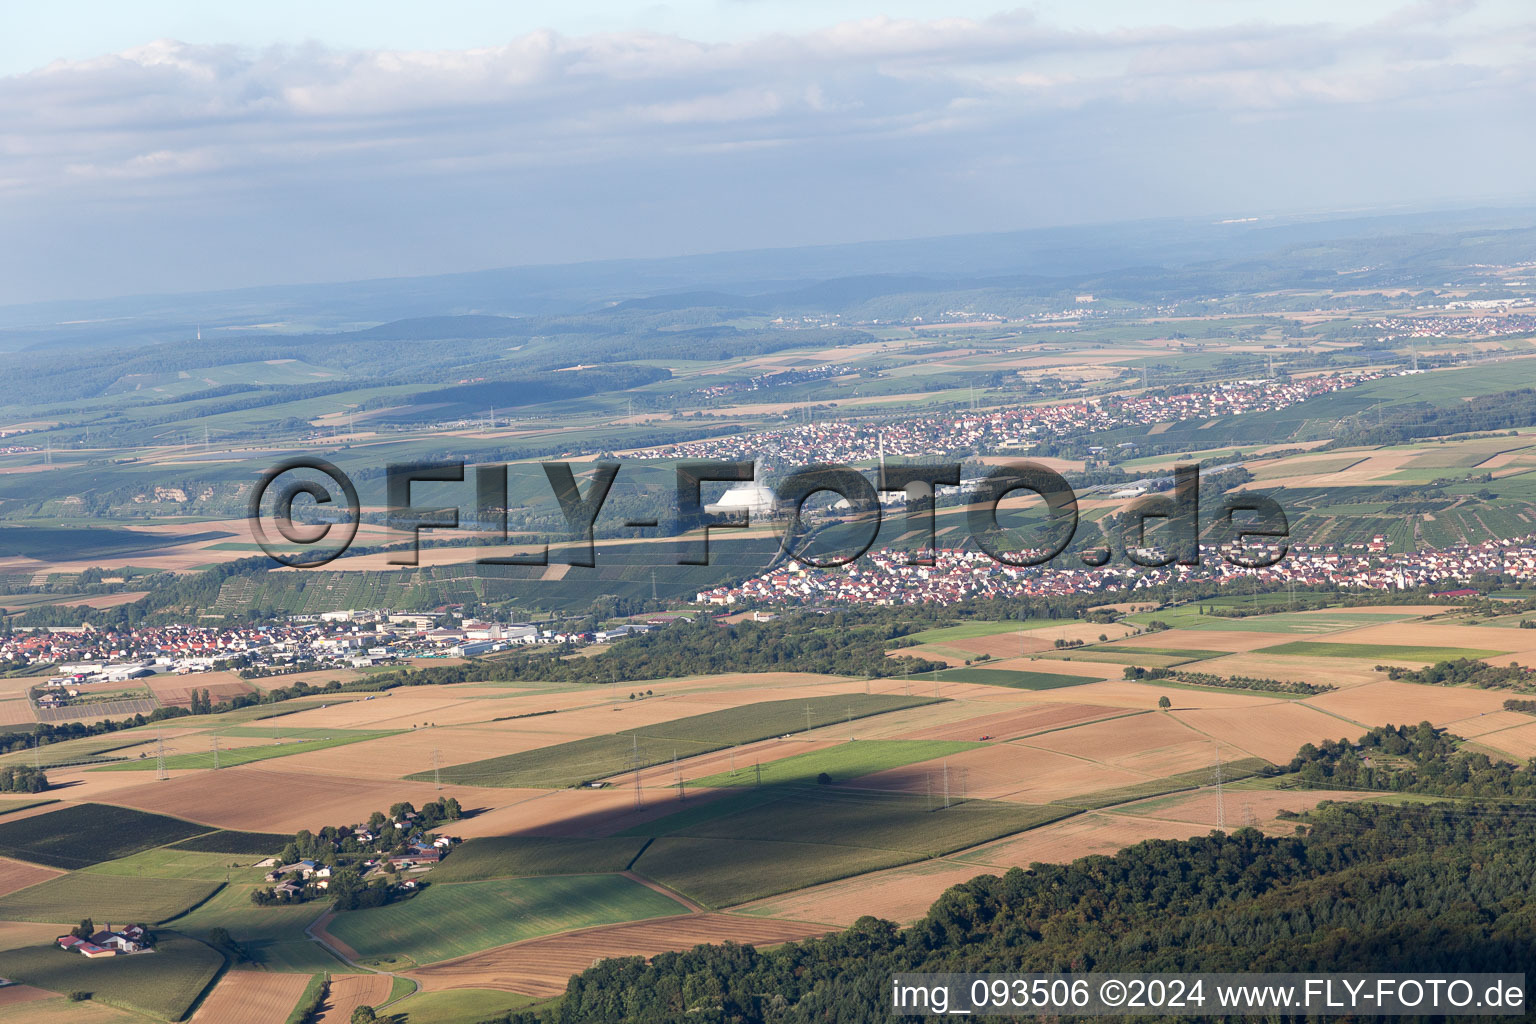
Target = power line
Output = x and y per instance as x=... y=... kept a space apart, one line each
x=215 y=753
x=437 y=762
x=1221 y=806
x=634 y=760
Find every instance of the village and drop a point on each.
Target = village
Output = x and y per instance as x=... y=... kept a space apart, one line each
x=364 y=864
x=86 y=658
x=1007 y=428
x=885 y=577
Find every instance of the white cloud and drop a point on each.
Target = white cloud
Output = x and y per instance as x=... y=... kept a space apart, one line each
x=881 y=105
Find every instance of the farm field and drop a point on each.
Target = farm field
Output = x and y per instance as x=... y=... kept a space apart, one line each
x=174 y=862
x=542 y=967
x=1072 y=763
x=257 y=798
x=233 y=755
x=454 y=919
x=904 y=894
x=456 y=1005
x=1007 y=725
x=1153 y=745
x=224 y=841
x=1231 y=770
x=348 y=992
x=1518 y=742
x=641 y=815
x=725 y=852
x=273 y=937
x=80 y=835
x=520 y=856
x=15 y=874
x=973 y=630
x=162 y=985
x=1273 y=731
x=1014 y=772
x=598 y=757
x=68 y=898
x=23 y=1004
x=1015 y=678
x=1376 y=652
x=840 y=763
x=1189 y=618
x=1386 y=701
x=12 y=806
x=251 y=997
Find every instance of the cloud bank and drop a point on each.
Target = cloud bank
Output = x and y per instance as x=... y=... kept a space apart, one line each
x=174 y=166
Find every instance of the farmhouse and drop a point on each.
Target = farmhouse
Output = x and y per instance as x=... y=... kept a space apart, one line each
x=107 y=942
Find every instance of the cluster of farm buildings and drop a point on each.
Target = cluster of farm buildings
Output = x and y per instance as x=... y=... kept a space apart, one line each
x=107 y=942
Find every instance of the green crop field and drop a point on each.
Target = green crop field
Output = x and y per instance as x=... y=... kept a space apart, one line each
x=69 y=898
x=457 y=1005
x=163 y=984
x=725 y=872
x=518 y=856
x=1378 y=652
x=178 y=862
x=226 y=841
x=1277 y=621
x=1177 y=653
x=66 y=542
x=842 y=762
x=273 y=937
x=973 y=630
x=1018 y=679
x=567 y=764
x=12 y=806
x=77 y=751
x=84 y=834
x=449 y=920
x=231 y=756
x=770 y=840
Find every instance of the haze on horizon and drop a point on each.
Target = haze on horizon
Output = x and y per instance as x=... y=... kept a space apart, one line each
x=190 y=148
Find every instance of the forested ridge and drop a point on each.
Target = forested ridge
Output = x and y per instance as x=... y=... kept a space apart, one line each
x=1417 y=759
x=835 y=644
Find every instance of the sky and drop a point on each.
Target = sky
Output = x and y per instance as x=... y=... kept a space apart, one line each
x=180 y=147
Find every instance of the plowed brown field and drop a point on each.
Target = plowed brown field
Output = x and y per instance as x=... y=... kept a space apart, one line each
x=256 y=799
x=1003 y=771
x=1004 y=725
x=1155 y=745
x=15 y=874
x=251 y=997
x=1271 y=731
x=349 y=991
